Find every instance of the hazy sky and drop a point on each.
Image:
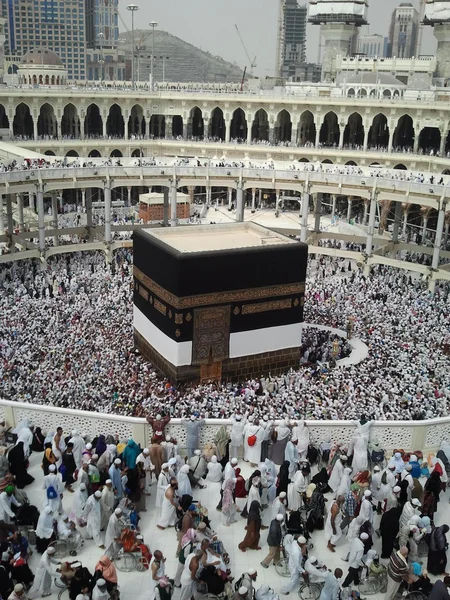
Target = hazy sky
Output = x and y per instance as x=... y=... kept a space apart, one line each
x=209 y=24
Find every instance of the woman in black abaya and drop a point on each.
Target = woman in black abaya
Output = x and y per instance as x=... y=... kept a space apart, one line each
x=18 y=465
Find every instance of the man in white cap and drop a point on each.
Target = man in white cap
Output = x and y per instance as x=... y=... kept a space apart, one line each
x=291 y=455
x=354 y=560
x=197 y=465
x=375 y=487
x=193 y=426
x=248 y=579
x=112 y=535
x=279 y=505
x=169 y=448
x=108 y=501
x=366 y=509
x=53 y=487
x=144 y=458
x=237 y=433
x=274 y=540
x=100 y=591
x=115 y=475
x=18 y=593
x=392 y=499
x=337 y=472
x=241 y=593
x=293 y=549
x=163 y=482
x=406 y=476
x=45 y=573
x=316 y=570
x=410 y=509
x=78 y=447
x=92 y=514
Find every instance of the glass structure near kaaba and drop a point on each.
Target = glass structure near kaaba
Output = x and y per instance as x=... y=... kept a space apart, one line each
x=218 y=301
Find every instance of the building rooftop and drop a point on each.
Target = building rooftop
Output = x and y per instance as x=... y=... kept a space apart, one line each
x=154 y=198
x=42 y=56
x=213 y=238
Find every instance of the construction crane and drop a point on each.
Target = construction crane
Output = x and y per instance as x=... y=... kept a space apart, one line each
x=252 y=63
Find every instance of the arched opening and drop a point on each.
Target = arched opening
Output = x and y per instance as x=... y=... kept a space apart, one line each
x=387 y=93
x=307 y=129
x=330 y=130
x=354 y=131
x=93 y=122
x=196 y=125
x=4 y=121
x=47 y=124
x=362 y=93
x=303 y=160
x=238 y=127
x=49 y=153
x=379 y=132
x=351 y=93
x=116 y=154
x=404 y=133
x=446 y=172
x=137 y=153
x=115 y=126
x=53 y=80
x=350 y=163
x=400 y=167
x=217 y=125
x=47 y=80
x=136 y=122
x=327 y=161
x=177 y=126
x=430 y=140
x=260 y=126
x=158 y=126
x=94 y=154
x=23 y=121
x=283 y=127
x=72 y=153
x=70 y=122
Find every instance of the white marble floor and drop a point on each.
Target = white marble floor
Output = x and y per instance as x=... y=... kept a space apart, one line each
x=133 y=585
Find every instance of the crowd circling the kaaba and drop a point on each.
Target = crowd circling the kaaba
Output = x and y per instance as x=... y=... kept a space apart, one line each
x=66 y=340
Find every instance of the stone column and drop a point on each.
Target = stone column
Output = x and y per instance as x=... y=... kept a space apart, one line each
x=9 y=217
x=444 y=135
x=108 y=235
x=416 y=144
x=19 y=199
x=129 y=196
x=317 y=213
x=271 y=135
x=55 y=216
x=169 y=129
x=104 y=126
x=366 y=211
x=333 y=206
x=341 y=135
x=253 y=199
x=366 y=138
x=438 y=239
x=371 y=227
x=41 y=220
x=227 y=132
x=35 y=129
x=391 y=139
x=304 y=220
x=125 y=134
x=446 y=231
x=405 y=221
x=239 y=204
x=31 y=203
x=318 y=136
x=166 y=207
x=424 y=228
x=397 y=222
x=191 y=190
x=349 y=208
x=230 y=198
x=249 y=134
x=83 y=200
x=2 y=216
x=173 y=204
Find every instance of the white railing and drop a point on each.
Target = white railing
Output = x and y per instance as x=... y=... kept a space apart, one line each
x=409 y=435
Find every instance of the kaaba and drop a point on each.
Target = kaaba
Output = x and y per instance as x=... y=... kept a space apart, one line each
x=218 y=301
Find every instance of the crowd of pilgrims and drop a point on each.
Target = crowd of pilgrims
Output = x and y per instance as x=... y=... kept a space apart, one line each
x=382 y=514
x=66 y=339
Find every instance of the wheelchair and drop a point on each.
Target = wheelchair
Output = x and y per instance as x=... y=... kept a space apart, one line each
x=69 y=547
x=62 y=583
x=310 y=591
x=374 y=583
x=129 y=557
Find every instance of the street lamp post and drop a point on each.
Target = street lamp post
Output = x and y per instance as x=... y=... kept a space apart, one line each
x=164 y=58
x=132 y=8
x=101 y=37
x=152 y=24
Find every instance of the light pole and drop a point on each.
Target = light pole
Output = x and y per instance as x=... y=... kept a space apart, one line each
x=164 y=58
x=152 y=24
x=132 y=8
x=101 y=37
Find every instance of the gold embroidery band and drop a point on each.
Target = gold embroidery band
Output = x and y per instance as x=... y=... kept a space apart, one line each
x=160 y=306
x=218 y=297
x=251 y=309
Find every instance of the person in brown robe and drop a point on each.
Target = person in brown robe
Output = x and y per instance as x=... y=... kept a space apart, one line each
x=158 y=424
x=156 y=455
x=252 y=535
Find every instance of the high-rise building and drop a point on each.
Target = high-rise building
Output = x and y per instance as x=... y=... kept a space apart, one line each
x=58 y=25
x=404 y=31
x=374 y=46
x=291 y=46
x=102 y=39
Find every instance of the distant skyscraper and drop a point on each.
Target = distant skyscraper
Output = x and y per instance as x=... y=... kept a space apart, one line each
x=291 y=46
x=102 y=23
x=375 y=45
x=59 y=25
x=404 y=31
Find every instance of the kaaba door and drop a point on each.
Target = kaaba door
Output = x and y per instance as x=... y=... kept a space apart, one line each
x=211 y=340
